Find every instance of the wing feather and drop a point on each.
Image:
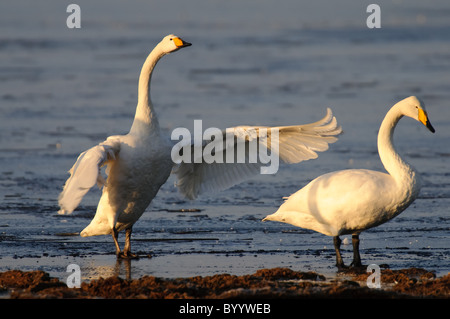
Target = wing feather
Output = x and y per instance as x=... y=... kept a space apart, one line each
x=296 y=143
x=85 y=173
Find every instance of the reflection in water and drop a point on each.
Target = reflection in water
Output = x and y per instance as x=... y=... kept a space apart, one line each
x=127 y=268
x=104 y=267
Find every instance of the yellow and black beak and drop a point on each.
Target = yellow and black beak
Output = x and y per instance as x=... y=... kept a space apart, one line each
x=423 y=118
x=180 y=43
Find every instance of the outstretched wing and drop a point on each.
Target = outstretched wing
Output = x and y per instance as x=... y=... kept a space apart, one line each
x=85 y=173
x=295 y=144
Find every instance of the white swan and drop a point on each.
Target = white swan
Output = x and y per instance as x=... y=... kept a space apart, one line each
x=139 y=162
x=350 y=201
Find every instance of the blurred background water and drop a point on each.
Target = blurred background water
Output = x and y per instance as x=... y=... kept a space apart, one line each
x=252 y=62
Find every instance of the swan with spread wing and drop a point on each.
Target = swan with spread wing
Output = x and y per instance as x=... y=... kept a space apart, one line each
x=138 y=163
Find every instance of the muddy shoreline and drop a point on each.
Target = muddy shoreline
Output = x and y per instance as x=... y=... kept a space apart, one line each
x=274 y=283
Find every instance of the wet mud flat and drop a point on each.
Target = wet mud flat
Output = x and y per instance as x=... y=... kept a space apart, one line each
x=274 y=283
x=242 y=70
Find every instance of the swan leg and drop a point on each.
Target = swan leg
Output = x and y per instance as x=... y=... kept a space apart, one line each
x=337 y=247
x=115 y=236
x=127 y=249
x=356 y=257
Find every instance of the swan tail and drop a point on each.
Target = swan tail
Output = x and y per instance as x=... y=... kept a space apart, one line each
x=96 y=229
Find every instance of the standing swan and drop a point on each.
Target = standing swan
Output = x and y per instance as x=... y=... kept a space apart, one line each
x=139 y=162
x=350 y=201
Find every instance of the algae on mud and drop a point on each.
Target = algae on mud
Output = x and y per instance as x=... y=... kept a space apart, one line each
x=275 y=283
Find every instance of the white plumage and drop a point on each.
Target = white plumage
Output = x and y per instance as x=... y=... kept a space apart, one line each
x=139 y=162
x=350 y=201
x=296 y=144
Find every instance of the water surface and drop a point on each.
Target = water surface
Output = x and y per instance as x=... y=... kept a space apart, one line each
x=63 y=91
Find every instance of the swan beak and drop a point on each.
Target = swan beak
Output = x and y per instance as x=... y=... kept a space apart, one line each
x=430 y=127
x=423 y=118
x=180 y=43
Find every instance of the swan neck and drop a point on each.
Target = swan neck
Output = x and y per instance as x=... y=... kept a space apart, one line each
x=398 y=168
x=145 y=117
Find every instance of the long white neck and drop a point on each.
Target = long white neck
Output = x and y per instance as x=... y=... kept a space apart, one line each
x=403 y=173
x=145 y=120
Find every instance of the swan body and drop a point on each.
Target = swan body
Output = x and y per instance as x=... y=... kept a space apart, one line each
x=353 y=200
x=138 y=163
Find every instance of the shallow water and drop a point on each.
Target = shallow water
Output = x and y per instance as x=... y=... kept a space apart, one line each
x=63 y=91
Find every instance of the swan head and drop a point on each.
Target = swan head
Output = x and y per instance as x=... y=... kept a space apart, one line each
x=415 y=108
x=172 y=43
